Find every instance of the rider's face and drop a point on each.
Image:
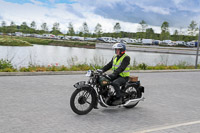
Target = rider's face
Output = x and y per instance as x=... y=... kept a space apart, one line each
x=117 y=51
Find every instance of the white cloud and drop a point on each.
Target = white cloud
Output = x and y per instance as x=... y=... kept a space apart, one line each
x=76 y=13
x=52 y=1
x=37 y=2
x=163 y=11
x=61 y=14
x=178 y=1
x=184 y=5
x=154 y=9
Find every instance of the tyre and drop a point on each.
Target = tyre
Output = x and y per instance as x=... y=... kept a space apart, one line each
x=82 y=101
x=132 y=93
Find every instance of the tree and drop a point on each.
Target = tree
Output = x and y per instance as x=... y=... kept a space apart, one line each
x=165 y=26
x=85 y=29
x=56 y=26
x=33 y=25
x=98 y=30
x=44 y=27
x=24 y=27
x=192 y=28
x=24 y=24
x=175 y=36
x=70 y=29
x=143 y=25
x=181 y=34
x=80 y=34
x=139 y=35
x=117 y=27
x=165 y=35
x=3 y=24
x=149 y=33
x=12 y=28
x=12 y=23
x=56 y=29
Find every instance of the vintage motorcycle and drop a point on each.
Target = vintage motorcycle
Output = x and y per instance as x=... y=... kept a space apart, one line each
x=99 y=89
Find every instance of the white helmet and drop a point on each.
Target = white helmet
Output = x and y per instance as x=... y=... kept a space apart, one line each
x=120 y=46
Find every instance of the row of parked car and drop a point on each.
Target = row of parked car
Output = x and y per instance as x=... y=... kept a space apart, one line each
x=64 y=37
x=169 y=43
x=109 y=39
x=149 y=41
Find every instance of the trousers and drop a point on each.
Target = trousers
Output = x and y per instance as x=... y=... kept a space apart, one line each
x=116 y=83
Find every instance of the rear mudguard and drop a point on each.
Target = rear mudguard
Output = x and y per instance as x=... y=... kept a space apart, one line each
x=83 y=85
x=137 y=86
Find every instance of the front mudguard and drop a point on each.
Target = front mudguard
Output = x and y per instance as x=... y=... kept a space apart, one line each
x=83 y=85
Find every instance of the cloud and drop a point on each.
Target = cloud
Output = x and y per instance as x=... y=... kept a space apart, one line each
x=185 y=5
x=52 y=1
x=61 y=13
x=37 y=2
x=107 y=13
x=154 y=9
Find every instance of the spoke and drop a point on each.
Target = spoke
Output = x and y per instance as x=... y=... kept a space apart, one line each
x=87 y=102
x=87 y=95
x=84 y=92
x=78 y=106
x=79 y=94
x=81 y=107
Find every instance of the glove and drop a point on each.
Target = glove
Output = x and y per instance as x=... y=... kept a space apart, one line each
x=100 y=71
x=108 y=77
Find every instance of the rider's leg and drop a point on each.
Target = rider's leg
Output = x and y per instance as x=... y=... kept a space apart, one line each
x=116 y=84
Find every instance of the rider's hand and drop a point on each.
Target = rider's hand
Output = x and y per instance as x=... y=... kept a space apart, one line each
x=108 y=77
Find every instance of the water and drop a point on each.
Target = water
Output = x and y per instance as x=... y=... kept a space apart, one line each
x=57 y=55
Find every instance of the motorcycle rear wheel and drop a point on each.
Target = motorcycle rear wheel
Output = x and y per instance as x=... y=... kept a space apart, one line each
x=82 y=101
x=136 y=95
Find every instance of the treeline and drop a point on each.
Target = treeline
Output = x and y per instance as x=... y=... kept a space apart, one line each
x=143 y=31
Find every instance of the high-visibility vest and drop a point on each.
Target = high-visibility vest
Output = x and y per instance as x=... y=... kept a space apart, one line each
x=116 y=64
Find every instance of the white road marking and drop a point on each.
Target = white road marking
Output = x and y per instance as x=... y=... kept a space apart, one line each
x=168 y=127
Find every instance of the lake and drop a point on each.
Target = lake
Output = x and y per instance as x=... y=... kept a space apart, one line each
x=57 y=55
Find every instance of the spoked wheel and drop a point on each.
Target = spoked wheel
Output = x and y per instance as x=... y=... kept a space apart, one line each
x=82 y=101
x=133 y=94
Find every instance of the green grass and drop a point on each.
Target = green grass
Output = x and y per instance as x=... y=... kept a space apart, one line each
x=35 y=40
x=7 y=67
x=73 y=43
x=32 y=40
x=13 y=42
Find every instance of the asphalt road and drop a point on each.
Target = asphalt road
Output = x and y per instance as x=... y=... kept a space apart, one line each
x=40 y=104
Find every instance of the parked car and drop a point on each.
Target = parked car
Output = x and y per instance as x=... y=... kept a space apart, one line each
x=190 y=44
x=147 y=41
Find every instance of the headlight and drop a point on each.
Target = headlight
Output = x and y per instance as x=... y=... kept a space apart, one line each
x=89 y=73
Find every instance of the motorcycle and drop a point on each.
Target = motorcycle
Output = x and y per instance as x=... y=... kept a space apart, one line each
x=99 y=89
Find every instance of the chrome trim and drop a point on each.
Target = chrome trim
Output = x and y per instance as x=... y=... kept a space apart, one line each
x=101 y=100
x=133 y=101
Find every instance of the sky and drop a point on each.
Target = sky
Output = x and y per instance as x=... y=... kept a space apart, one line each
x=129 y=13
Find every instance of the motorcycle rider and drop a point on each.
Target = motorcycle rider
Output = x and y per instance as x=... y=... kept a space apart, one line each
x=120 y=67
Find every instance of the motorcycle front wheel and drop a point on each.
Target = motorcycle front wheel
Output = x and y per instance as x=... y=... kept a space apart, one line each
x=82 y=101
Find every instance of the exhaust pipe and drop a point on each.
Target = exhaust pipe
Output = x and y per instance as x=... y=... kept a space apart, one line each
x=133 y=101
x=128 y=103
